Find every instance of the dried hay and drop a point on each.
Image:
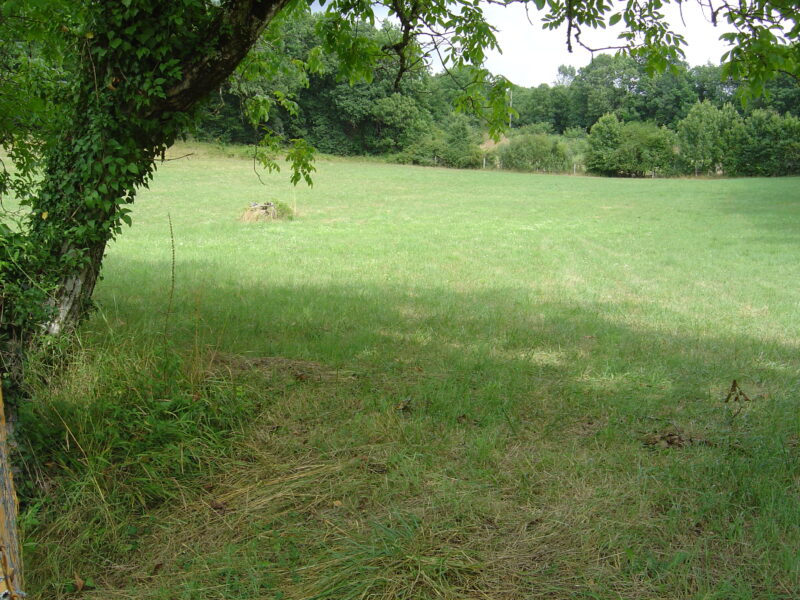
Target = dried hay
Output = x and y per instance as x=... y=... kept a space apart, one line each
x=262 y=490
x=263 y=211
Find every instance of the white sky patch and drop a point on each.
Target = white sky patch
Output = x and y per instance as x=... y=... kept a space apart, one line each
x=531 y=55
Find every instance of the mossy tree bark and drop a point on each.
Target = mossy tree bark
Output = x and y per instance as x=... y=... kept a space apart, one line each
x=140 y=70
x=11 y=584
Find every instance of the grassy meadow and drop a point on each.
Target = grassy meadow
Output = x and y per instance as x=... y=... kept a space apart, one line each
x=430 y=384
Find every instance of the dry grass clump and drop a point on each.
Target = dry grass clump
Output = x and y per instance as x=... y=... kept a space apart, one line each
x=267 y=211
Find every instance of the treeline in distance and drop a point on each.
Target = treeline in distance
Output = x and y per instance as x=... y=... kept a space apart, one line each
x=610 y=117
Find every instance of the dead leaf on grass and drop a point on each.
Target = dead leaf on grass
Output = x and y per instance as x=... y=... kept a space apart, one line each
x=404 y=406
x=672 y=438
x=372 y=466
x=465 y=420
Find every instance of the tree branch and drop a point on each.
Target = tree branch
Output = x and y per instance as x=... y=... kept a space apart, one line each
x=235 y=31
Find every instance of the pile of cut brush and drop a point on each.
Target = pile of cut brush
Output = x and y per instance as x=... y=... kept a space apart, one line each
x=260 y=211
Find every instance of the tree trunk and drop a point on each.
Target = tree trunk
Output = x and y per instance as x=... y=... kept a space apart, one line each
x=107 y=152
x=10 y=556
x=74 y=293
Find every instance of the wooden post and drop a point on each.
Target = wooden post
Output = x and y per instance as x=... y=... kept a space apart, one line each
x=10 y=558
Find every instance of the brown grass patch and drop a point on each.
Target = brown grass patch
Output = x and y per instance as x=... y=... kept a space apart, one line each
x=672 y=438
x=235 y=509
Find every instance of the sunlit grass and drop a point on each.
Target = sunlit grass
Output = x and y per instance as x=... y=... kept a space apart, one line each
x=509 y=346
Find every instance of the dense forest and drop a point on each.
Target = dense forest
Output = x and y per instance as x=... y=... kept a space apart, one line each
x=611 y=117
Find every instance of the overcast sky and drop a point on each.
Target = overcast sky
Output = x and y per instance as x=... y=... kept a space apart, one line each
x=531 y=55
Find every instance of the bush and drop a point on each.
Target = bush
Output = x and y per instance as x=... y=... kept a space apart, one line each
x=646 y=149
x=604 y=141
x=426 y=151
x=768 y=145
x=535 y=152
x=399 y=121
x=630 y=149
x=456 y=147
x=533 y=128
x=577 y=141
x=461 y=148
x=709 y=139
x=699 y=139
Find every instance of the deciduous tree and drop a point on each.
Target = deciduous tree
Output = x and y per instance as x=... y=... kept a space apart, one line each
x=700 y=138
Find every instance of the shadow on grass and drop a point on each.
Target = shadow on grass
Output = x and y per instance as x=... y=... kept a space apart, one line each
x=516 y=377
x=776 y=217
x=478 y=350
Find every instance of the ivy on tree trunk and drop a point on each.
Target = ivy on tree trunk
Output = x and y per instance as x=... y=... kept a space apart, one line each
x=141 y=70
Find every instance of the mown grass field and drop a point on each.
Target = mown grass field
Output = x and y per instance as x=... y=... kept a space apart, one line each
x=481 y=385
